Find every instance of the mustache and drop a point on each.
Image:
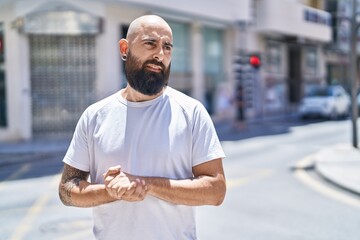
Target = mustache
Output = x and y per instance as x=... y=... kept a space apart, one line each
x=154 y=62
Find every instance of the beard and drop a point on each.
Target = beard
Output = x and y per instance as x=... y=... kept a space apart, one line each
x=145 y=81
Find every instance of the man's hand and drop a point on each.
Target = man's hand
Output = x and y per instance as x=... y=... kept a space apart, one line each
x=124 y=186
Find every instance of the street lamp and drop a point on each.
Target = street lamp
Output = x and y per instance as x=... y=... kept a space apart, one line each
x=353 y=72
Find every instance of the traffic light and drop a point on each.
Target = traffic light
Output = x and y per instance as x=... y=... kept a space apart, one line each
x=240 y=67
x=246 y=74
x=254 y=61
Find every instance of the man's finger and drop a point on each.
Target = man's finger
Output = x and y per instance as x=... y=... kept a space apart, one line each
x=108 y=179
x=144 y=185
x=112 y=170
x=139 y=189
x=120 y=192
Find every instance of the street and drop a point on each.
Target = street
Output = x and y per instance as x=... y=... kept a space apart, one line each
x=265 y=199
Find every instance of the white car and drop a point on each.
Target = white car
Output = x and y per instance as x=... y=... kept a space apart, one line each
x=325 y=101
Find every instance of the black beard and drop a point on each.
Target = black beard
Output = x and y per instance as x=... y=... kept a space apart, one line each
x=145 y=81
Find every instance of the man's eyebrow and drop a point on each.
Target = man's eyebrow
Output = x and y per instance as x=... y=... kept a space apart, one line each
x=148 y=39
x=168 y=44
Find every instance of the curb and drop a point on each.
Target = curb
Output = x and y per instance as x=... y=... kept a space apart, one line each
x=340 y=165
x=22 y=152
x=13 y=159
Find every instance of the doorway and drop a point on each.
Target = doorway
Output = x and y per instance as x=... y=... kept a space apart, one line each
x=294 y=74
x=63 y=73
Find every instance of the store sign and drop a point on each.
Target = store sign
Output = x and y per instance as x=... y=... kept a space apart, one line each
x=318 y=17
x=60 y=22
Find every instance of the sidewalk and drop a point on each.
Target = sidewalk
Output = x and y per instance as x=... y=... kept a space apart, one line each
x=340 y=164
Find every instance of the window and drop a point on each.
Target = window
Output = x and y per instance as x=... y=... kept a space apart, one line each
x=311 y=61
x=213 y=53
x=343 y=35
x=180 y=62
x=123 y=32
x=273 y=57
x=3 y=113
x=315 y=4
x=213 y=63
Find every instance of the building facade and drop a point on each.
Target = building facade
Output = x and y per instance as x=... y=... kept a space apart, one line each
x=290 y=36
x=338 y=51
x=57 y=57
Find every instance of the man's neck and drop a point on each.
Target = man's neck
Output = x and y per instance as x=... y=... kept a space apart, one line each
x=132 y=95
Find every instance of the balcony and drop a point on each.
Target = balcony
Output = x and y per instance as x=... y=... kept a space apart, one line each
x=291 y=18
x=227 y=11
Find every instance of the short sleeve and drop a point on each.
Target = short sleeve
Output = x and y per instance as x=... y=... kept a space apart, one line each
x=206 y=144
x=77 y=154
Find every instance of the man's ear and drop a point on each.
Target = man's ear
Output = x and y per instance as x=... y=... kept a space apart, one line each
x=123 y=47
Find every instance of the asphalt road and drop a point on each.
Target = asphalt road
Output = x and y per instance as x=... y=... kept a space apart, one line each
x=265 y=199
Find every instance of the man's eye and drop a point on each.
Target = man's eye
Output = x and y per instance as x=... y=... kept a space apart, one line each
x=150 y=43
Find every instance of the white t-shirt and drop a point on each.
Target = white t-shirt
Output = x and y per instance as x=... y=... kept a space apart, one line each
x=163 y=137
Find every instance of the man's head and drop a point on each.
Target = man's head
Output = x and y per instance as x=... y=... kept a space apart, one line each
x=147 y=50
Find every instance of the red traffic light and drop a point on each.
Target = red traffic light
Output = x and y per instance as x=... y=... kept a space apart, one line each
x=254 y=61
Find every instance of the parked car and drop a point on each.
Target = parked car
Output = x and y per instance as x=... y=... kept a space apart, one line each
x=325 y=101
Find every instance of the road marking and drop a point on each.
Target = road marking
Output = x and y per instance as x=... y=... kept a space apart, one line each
x=232 y=183
x=322 y=188
x=26 y=223
x=32 y=213
x=85 y=234
x=24 y=168
x=306 y=162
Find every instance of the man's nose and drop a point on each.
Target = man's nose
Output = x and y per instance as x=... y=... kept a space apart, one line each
x=159 y=54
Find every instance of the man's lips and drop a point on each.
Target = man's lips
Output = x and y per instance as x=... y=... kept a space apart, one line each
x=154 y=68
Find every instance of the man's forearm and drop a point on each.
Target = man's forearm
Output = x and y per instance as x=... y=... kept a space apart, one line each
x=75 y=190
x=204 y=190
x=80 y=193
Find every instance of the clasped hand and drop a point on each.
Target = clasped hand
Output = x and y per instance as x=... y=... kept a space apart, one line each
x=124 y=186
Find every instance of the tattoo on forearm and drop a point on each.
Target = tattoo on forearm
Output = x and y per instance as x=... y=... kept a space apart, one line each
x=71 y=179
x=66 y=191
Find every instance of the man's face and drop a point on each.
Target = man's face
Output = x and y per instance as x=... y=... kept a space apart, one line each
x=144 y=80
x=148 y=60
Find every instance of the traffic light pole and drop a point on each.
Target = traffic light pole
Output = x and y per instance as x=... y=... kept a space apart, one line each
x=353 y=73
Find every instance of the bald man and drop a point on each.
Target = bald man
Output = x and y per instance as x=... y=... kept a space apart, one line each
x=151 y=152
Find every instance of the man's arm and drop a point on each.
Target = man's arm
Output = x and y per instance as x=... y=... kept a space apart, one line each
x=208 y=186
x=75 y=190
